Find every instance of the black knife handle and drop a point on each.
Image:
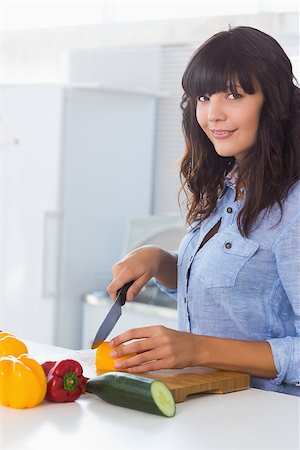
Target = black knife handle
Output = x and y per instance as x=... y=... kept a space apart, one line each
x=123 y=291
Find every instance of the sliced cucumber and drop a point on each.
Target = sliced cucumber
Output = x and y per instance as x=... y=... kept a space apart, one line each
x=133 y=391
x=163 y=398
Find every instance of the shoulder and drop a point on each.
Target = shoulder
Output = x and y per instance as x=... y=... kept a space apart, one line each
x=275 y=223
x=290 y=216
x=293 y=196
x=291 y=204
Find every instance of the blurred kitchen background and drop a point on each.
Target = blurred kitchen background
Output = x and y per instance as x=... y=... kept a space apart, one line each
x=90 y=140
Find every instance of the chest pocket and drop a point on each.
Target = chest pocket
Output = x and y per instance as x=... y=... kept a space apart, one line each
x=222 y=258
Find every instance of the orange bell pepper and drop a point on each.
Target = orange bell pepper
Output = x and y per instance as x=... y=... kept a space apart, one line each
x=103 y=360
x=23 y=382
x=10 y=345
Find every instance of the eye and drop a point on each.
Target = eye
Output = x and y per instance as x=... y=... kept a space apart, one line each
x=234 y=96
x=203 y=98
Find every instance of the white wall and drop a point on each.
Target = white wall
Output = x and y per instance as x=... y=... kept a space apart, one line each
x=37 y=56
x=42 y=56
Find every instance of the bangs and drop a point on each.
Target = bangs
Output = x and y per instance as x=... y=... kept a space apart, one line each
x=218 y=67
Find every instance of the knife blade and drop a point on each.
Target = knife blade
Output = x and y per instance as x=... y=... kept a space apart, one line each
x=112 y=317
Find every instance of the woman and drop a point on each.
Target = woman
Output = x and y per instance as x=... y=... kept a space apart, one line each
x=236 y=274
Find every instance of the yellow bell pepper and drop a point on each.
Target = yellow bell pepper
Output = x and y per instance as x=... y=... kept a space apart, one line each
x=10 y=345
x=23 y=382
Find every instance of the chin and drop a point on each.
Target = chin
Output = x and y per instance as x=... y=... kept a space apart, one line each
x=225 y=154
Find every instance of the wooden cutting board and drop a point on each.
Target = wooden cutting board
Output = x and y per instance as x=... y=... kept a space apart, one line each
x=181 y=382
x=196 y=380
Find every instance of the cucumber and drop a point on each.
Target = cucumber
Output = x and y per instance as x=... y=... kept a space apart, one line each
x=133 y=391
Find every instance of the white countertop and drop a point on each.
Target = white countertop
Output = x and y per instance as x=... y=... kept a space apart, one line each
x=250 y=419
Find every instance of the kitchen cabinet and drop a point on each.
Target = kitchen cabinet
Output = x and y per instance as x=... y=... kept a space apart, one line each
x=75 y=165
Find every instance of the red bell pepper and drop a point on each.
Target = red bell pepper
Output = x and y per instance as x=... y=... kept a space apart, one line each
x=47 y=366
x=65 y=380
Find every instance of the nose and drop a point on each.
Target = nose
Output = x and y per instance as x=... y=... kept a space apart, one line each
x=216 y=111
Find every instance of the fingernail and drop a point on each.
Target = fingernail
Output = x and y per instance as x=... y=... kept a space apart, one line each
x=112 y=343
x=118 y=364
x=113 y=354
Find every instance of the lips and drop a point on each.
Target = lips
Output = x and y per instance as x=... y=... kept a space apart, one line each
x=222 y=134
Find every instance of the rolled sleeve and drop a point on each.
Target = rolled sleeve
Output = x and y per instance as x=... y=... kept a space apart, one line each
x=286 y=350
x=171 y=292
x=286 y=354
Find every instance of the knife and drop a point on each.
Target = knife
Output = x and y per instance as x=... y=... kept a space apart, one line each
x=112 y=317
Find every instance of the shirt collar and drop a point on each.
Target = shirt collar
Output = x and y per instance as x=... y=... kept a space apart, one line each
x=231 y=177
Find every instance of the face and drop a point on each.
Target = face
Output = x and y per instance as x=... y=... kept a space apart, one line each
x=230 y=120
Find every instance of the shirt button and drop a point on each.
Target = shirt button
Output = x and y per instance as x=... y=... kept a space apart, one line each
x=228 y=245
x=229 y=210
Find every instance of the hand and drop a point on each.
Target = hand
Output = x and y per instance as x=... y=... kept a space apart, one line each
x=139 y=266
x=157 y=347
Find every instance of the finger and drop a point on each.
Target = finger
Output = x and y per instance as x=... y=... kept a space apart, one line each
x=123 y=279
x=133 y=333
x=137 y=286
x=117 y=284
x=137 y=360
x=136 y=346
x=112 y=289
x=148 y=367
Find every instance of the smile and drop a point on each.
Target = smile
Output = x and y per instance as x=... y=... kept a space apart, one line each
x=222 y=134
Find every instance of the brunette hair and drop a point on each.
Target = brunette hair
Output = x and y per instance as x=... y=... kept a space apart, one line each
x=250 y=58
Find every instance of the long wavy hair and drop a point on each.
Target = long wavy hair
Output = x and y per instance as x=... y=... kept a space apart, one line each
x=248 y=57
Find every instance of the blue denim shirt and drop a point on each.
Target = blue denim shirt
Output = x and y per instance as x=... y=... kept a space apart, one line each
x=246 y=288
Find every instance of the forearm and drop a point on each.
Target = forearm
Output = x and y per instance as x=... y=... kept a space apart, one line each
x=167 y=270
x=159 y=347
x=252 y=357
